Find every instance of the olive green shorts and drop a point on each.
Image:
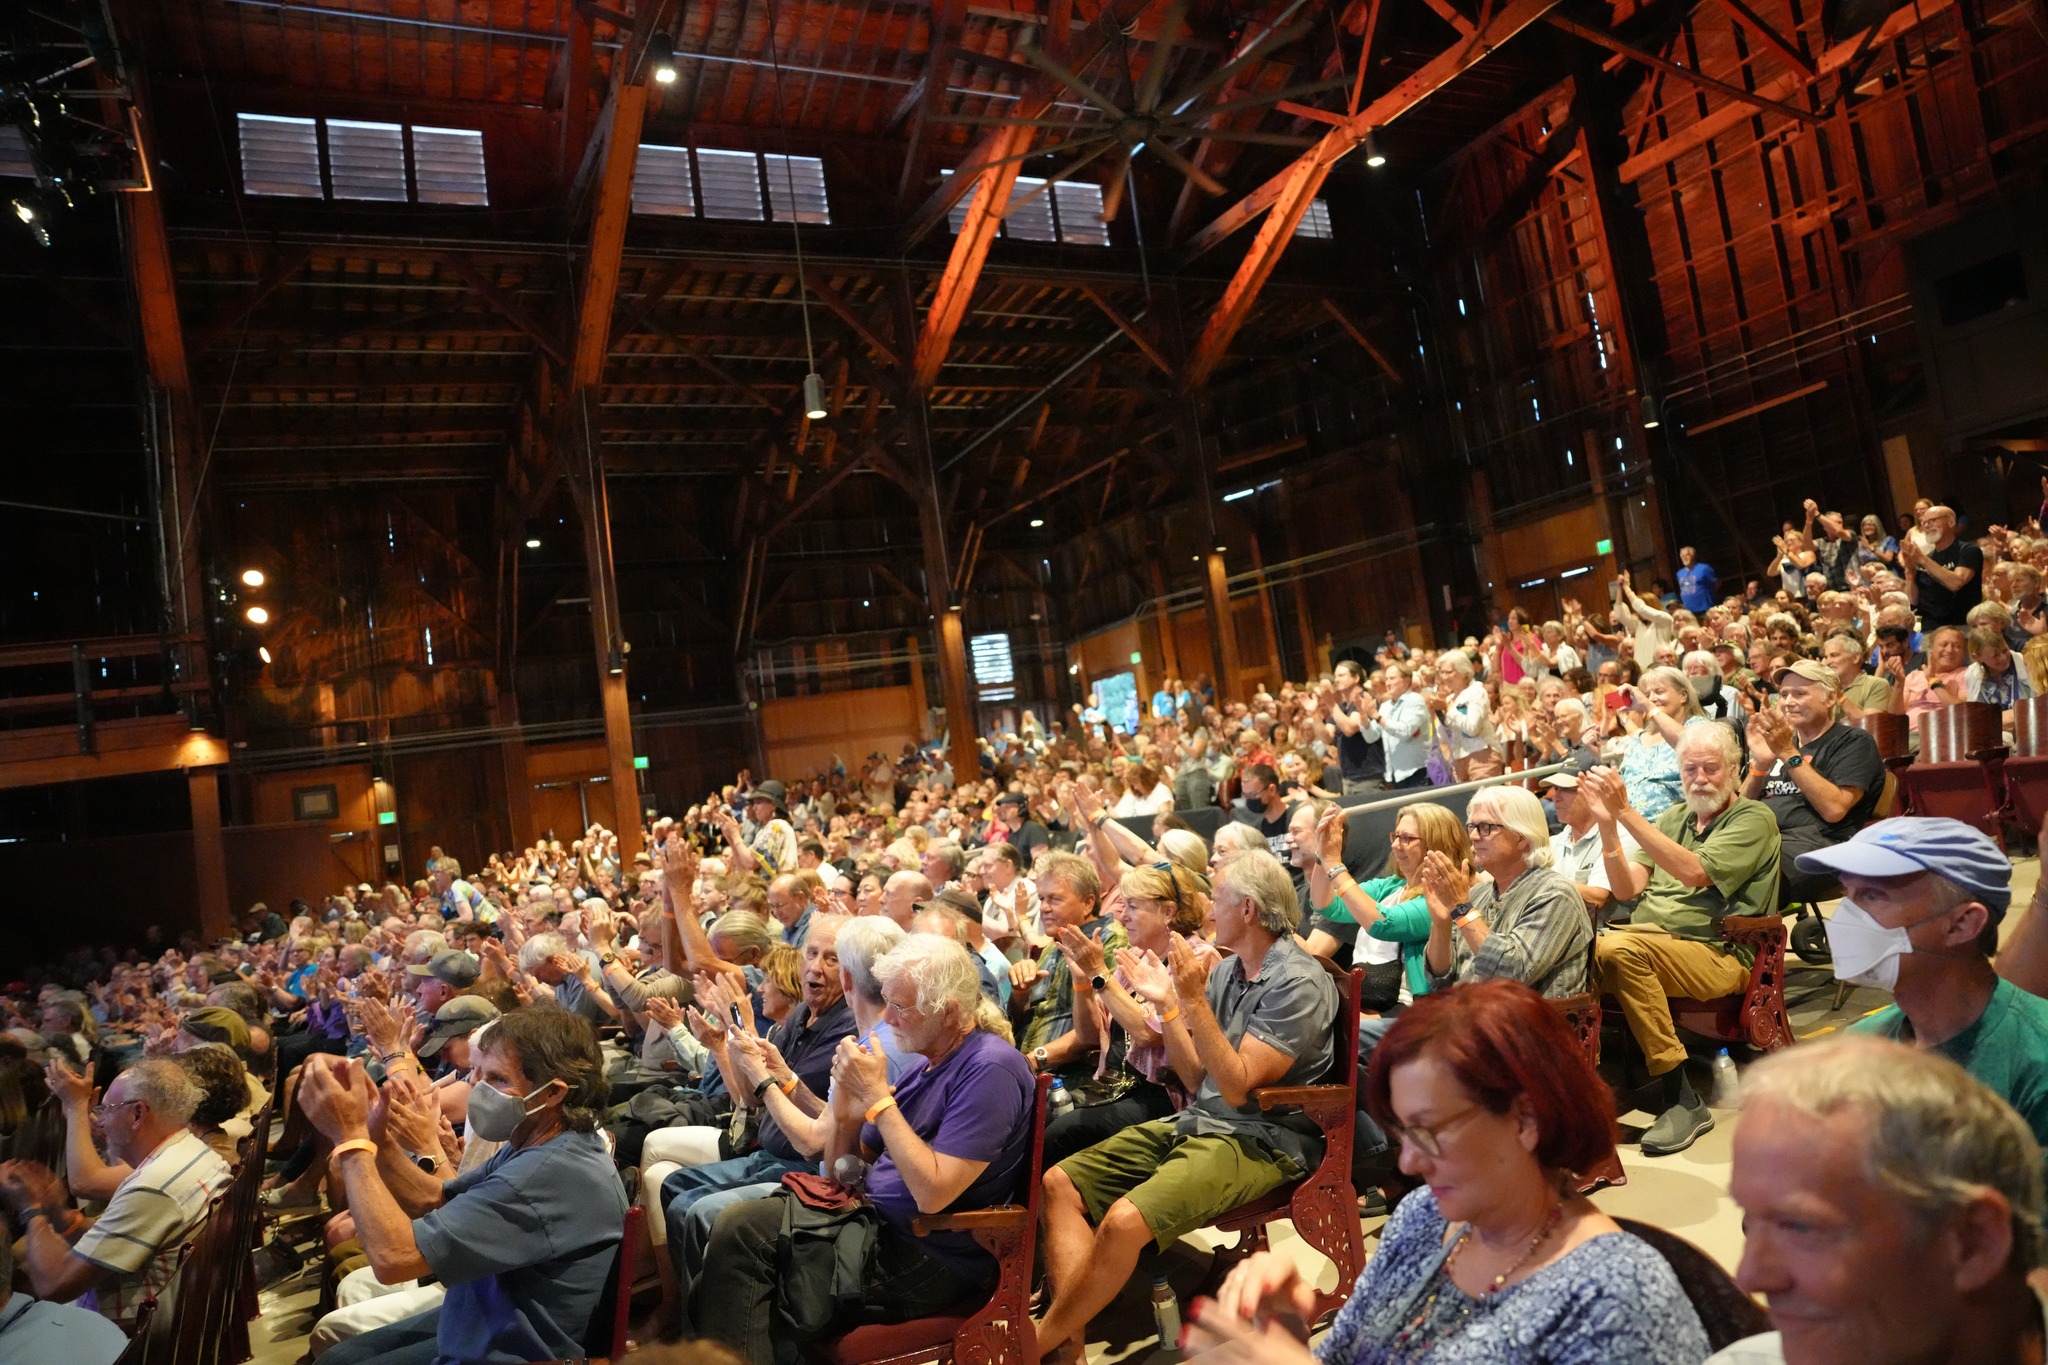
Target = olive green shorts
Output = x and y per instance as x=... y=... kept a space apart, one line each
x=1176 y=1183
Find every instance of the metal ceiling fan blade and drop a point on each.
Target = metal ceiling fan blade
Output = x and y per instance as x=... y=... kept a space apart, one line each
x=1267 y=42
x=1059 y=71
x=1204 y=181
x=1293 y=92
x=1164 y=48
x=1065 y=172
x=1113 y=186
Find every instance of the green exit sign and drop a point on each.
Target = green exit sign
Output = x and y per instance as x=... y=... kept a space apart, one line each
x=1136 y=657
x=387 y=817
x=1603 y=547
x=640 y=760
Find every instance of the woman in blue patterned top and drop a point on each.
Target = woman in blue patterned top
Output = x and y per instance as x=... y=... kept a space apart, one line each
x=1495 y=1262
x=1649 y=758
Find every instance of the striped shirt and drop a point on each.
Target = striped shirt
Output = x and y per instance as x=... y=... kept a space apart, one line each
x=153 y=1213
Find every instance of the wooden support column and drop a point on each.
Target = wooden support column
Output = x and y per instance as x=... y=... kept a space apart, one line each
x=209 y=853
x=1169 y=648
x=583 y=450
x=1222 y=629
x=179 y=435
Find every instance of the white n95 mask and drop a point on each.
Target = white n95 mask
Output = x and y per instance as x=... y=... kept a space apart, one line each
x=1865 y=952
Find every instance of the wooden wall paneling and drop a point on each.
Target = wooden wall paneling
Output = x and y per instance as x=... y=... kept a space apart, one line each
x=803 y=734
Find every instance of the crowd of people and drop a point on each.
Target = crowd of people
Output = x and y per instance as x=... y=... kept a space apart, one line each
x=812 y=1014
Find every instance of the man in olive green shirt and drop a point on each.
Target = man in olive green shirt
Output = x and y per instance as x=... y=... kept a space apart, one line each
x=1922 y=901
x=1712 y=856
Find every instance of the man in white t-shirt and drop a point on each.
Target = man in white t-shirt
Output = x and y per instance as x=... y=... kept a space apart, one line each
x=1576 y=848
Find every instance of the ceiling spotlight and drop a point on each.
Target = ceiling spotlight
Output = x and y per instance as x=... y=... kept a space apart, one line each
x=1219 y=549
x=1037 y=522
x=1374 y=157
x=257 y=615
x=814 y=397
x=533 y=542
x=24 y=211
x=1653 y=412
x=263 y=653
x=661 y=58
x=252 y=577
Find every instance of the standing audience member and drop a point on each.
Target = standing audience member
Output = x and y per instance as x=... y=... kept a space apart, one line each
x=1820 y=777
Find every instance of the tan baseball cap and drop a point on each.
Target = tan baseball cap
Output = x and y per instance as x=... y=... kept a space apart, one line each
x=1813 y=671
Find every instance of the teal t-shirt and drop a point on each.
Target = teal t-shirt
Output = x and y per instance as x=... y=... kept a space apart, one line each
x=1403 y=922
x=2007 y=1049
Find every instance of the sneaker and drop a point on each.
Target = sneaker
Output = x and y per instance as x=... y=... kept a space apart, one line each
x=1677 y=1128
x=285 y=1197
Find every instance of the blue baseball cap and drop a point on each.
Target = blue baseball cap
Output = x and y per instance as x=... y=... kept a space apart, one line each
x=1910 y=844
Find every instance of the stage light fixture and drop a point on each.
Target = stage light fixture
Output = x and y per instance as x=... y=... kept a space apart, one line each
x=1374 y=157
x=1037 y=522
x=661 y=58
x=263 y=653
x=257 y=615
x=814 y=397
x=1653 y=412
x=252 y=578
x=533 y=542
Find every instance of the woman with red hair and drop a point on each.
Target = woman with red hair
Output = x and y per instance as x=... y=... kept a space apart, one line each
x=1495 y=1259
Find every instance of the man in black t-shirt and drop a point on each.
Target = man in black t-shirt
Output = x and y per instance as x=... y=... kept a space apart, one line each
x=1266 y=808
x=1015 y=827
x=1821 y=778
x=1350 y=709
x=1945 y=581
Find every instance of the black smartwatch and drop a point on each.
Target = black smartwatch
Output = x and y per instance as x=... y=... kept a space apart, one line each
x=1460 y=910
x=1098 y=982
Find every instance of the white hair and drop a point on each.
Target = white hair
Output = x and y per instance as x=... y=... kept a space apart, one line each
x=1236 y=836
x=1713 y=734
x=167 y=1088
x=1521 y=811
x=864 y=942
x=940 y=970
x=1459 y=660
x=539 y=949
x=422 y=944
x=1185 y=848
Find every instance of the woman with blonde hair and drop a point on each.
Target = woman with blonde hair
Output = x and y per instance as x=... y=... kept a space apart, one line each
x=1134 y=1079
x=2035 y=659
x=1665 y=704
x=1388 y=916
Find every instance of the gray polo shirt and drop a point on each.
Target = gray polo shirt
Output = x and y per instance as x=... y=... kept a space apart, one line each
x=1291 y=1006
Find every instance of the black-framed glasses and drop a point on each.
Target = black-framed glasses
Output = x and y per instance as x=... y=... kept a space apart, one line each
x=1429 y=1140
x=1483 y=829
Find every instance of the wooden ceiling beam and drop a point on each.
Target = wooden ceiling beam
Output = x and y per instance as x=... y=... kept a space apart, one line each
x=1602 y=38
x=1754 y=24
x=1294 y=189
x=622 y=120
x=506 y=307
x=1078 y=54
x=985 y=212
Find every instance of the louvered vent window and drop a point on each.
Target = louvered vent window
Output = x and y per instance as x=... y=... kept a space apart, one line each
x=729 y=184
x=1030 y=215
x=448 y=166
x=280 y=156
x=796 y=188
x=1068 y=212
x=1316 y=222
x=994 y=672
x=1080 y=210
x=14 y=158
x=661 y=182
x=366 y=160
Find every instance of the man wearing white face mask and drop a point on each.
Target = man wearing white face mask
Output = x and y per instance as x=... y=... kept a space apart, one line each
x=1923 y=901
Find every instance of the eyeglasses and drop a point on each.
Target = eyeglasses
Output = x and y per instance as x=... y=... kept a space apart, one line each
x=1483 y=829
x=1429 y=1141
x=102 y=1111
x=1404 y=839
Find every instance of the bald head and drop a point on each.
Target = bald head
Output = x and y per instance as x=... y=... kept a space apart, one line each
x=902 y=892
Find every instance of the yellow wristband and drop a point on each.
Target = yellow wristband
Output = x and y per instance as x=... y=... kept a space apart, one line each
x=886 y=1102
x=1171 y=1014
x=355 y=1145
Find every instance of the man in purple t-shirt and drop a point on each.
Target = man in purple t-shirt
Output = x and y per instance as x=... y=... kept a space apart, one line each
x=954 y=1136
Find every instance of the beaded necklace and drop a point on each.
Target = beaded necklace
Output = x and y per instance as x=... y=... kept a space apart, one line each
x=1412 y=1343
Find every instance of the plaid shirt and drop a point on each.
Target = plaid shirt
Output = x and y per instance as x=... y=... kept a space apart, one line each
x=153 y=1213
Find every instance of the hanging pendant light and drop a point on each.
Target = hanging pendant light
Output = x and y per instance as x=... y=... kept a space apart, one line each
x=814 y=397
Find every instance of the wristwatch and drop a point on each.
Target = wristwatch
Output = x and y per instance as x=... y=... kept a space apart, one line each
x=429 y=1164
x=1098 y=982
x=1039 y=1057
x=1460 y=910
x=607 y=959
x=1792 y=761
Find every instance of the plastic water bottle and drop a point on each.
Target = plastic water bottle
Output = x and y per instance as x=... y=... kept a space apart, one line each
x=1058 y=1100
x=1727 y=1086
x=1165 y=1314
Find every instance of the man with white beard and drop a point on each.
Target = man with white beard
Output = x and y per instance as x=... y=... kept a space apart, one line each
x=1713 y=855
